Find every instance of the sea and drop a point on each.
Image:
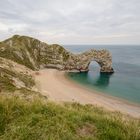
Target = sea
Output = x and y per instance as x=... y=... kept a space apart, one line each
x=124 y=83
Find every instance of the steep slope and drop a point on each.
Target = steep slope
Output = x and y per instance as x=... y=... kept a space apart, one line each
x=19 y=49
x=31 y=52
x=14 y=76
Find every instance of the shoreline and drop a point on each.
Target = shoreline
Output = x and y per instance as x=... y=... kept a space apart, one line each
x=102 y=93
x=59 y=88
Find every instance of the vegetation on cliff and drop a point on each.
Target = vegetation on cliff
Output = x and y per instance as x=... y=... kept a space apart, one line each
x=31 y=52
x=14 y=76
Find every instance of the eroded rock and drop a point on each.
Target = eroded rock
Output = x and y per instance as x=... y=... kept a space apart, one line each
x=35 y=54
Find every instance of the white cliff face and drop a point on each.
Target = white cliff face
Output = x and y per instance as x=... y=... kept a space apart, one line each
x=36 y=54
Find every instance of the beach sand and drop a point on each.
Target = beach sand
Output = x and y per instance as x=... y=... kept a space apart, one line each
x=57 y=87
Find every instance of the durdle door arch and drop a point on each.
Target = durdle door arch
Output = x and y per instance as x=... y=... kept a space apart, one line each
x=80 y=62
x=105 y=66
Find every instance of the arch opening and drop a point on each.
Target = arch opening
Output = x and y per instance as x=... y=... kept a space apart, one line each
x=94 y=66
x=103 y=66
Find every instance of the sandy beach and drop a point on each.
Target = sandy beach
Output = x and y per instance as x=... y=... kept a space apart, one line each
x=57 y=87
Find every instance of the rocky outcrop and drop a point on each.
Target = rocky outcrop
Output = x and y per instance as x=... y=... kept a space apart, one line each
x=81 y=62
x=14 y=76
x=36 y=54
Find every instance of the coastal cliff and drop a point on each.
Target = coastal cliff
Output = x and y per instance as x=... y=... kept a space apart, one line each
x=36 y=55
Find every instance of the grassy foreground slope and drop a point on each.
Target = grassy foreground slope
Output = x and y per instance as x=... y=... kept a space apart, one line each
x=38 y=119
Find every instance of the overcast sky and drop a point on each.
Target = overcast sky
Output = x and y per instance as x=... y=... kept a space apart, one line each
x=72 y=21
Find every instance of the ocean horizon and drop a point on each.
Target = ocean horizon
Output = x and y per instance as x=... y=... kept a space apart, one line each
x=124 y=83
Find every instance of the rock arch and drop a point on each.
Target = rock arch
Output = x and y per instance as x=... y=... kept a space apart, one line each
x=80 y=62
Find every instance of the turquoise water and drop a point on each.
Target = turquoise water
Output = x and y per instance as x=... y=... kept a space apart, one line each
x=124 y=83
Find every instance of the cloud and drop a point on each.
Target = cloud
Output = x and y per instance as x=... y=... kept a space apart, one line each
x=72 y=22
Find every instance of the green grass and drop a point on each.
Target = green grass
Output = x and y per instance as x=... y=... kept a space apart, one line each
x=6 y=84
x=21 y=119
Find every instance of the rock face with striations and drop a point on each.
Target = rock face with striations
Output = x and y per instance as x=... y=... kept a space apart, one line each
x=36 y=54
